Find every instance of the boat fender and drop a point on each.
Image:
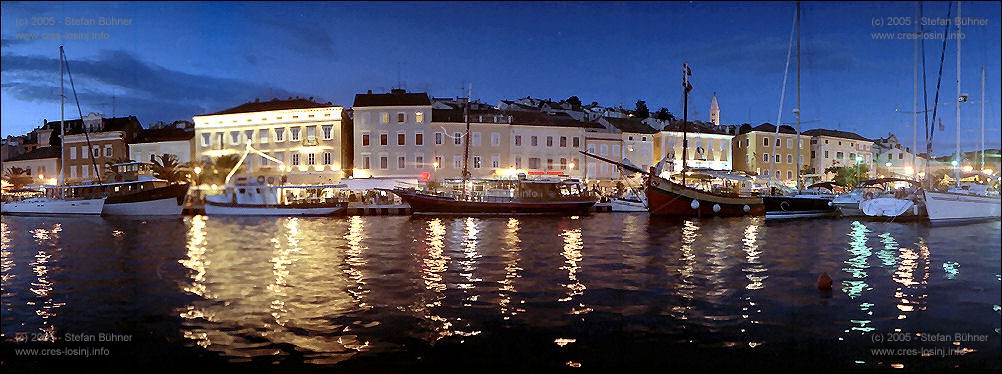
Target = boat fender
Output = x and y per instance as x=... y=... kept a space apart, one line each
x=825 y=282
x=260 y=179
x=868 y=196
x=829 y=203
x=694 y=204
x=746 y=208
x=716 y=208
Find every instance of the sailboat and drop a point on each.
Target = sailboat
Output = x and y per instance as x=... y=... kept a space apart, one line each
x=957 y=205
x=667 y=197
x=500 y=197
x=59 y=200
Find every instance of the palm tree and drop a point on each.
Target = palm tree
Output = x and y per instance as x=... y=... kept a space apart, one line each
x=166 y=167
x=108 y=169
x=16 y=176
x=224 y=164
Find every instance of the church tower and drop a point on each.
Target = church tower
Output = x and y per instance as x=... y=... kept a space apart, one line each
x=714 y=111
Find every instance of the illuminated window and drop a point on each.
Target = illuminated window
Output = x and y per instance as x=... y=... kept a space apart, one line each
x=563 y=163
x=419 y=117
x=438 y=162
x=73 y=153
x=549 y=164
x=384 y=117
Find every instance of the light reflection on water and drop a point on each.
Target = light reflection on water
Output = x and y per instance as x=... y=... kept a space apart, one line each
x=548 y=292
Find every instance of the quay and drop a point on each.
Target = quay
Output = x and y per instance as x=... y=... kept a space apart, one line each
x=355 y=209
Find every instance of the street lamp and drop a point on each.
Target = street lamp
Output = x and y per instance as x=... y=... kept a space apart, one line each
x=858 y=160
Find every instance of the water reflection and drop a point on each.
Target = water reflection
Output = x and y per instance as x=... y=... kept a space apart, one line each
x=686 y=270
x=433 y=265
x=573 y=245
x=512 y=255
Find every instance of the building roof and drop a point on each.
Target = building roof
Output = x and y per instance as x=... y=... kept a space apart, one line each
x=835 y=134
x=38 y=154
x=694 y=127
x=128 y=124
x=559 y=119
x=396 y=97
x=163 y=135
x=273 y=104
x=767 y=127
x=634 y=125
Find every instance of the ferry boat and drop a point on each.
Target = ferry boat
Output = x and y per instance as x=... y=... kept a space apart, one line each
x=521 y=196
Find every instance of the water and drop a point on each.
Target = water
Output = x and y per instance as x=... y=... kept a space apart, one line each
x=607 y=292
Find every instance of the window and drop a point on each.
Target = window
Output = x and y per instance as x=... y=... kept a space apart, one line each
x=295 y=159
x=495 y=162
x=576 y=142
x=765 y=142
x=234 y=137
x=518 y=140
x=789 y=174
x=311 y=159
x=249 y=136
x=457 y=138
x=366 y=163
x=630 y=138
x=383 y=138
x=438 y=162
x=563 y=142
x=279 y=134
x=262 y=136
x=789 y=159
x=495 y=139
x=365 y=139
x=901 y=156
x=814 y=154
x=549 y=141
x=384 y=162
x=401 y=117
x=476 y=139
x=419 y=117
x=574 y=164
x=765 y=157
x=533 y=141
x=384 y=117
x=533 y=163
x=401 y=139
x=295 y=134
x=563 y=163
x=457 y=162
x=73 y=152
x=778 y=159
x=826 y=154
x=401 y=162
x=839 y=155
x=518 y=162
x=476 y=162
x=778 y=173
x=311 y=132
x=643 y=138
x=107 y=150
x=419 y=161
x=206 y=141
x=852 y=156
x=328 y=132
x=419 y=139
x=746 y=142
x=328 y=158
x=73 y=172
x=789 y=143
x=549 y=164
x=439 y=138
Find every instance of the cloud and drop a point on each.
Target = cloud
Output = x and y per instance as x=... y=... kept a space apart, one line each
x=136 y=87
x=768 y=55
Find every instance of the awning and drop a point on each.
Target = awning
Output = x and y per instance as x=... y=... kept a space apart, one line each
x=364 y=184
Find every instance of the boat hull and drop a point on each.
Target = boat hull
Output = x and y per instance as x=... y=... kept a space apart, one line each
x=427 y=204
x=947 y=208
x=671 y=199
x=621 y=205
x=217 y=209
x=44 y=206
x=792 y=207
x=162 y=201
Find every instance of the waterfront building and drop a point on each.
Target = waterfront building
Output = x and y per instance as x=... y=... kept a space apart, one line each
x=105 y=138
x=637 y=138
x=549 y=143
x=757 y=149
x=41 y=164
x=896 y=160
x=490 y=141
x=304 y=135
x=838 y=148
x=390 y=134
x=608 y=145
x=709 y=147
x=152 y=143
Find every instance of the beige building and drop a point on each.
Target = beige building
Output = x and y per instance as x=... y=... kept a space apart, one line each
x=838 y=148
x=490 y=141
x=708 y=148
x=893 y=159
x=761 y=149
x=91 y=143
x=152 y=143
x=303 y=135
x=391 y=133
x=549 y=143
x=40 y=164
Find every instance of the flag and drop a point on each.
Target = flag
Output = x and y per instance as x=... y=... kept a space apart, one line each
x=941 y=128
x=686 y=72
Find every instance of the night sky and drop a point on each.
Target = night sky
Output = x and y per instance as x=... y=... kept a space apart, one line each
x=170 y=61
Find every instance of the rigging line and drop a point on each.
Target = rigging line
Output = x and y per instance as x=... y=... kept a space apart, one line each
x=939 y=79
x=782 y=96
x=925 y=105
x=83 y=126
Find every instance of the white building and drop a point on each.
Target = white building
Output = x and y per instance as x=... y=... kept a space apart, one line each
x=41 y=164
x=304 y=135
x=151 y=143
x=896 y=160
x=839 y=148
x=391 y=133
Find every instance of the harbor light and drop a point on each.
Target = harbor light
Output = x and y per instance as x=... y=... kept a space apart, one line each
x=968 y=168
x=954 y=163
x=887 y=164
x=909 y=170
x=198 y=170
x=988 y=171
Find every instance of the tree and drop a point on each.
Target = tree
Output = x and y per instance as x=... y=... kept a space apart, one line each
x=166 y=167
x=109 y=169
x=664 y=115
x=222 y=166
x=16 y=176
x=849 y=175
x=574 y=101
x=641 y=109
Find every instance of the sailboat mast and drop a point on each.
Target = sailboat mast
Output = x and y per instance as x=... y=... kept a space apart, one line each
x=797 y=113
x=915 y=168
x=466 y=141
x=685 y=118
x=982 y=117
x=956 y=169
x=62 y=115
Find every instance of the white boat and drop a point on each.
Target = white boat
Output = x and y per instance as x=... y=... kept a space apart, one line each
x=955 y=207
x=47 y=205
x=848 y=204
x=131 y=192
x=279 y=200
x=631 y=202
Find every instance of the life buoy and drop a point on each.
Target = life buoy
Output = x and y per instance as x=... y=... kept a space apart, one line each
x=785 y=205
x=260 y=179
x=271 y=180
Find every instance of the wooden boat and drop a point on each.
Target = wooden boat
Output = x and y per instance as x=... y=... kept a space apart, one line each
x=551 y=197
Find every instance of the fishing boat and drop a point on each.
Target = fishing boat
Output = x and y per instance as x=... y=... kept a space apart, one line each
x=469 y=196
x=667 y=197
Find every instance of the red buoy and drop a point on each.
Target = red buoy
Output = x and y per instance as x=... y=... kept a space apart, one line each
x=825 y=282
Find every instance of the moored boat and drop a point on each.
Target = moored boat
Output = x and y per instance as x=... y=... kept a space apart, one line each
x=245 y=199
x=522 y=196
x=956 y=207
x=132 y=192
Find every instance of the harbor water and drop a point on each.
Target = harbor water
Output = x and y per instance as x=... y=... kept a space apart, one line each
x=606 y=292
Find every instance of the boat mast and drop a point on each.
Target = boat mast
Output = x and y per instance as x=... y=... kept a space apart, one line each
x=466 y=142
x=62 y=116
x=960 y=100
x=915 y=168
x=686 y=87
x=797 y=111
x=982 y=117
